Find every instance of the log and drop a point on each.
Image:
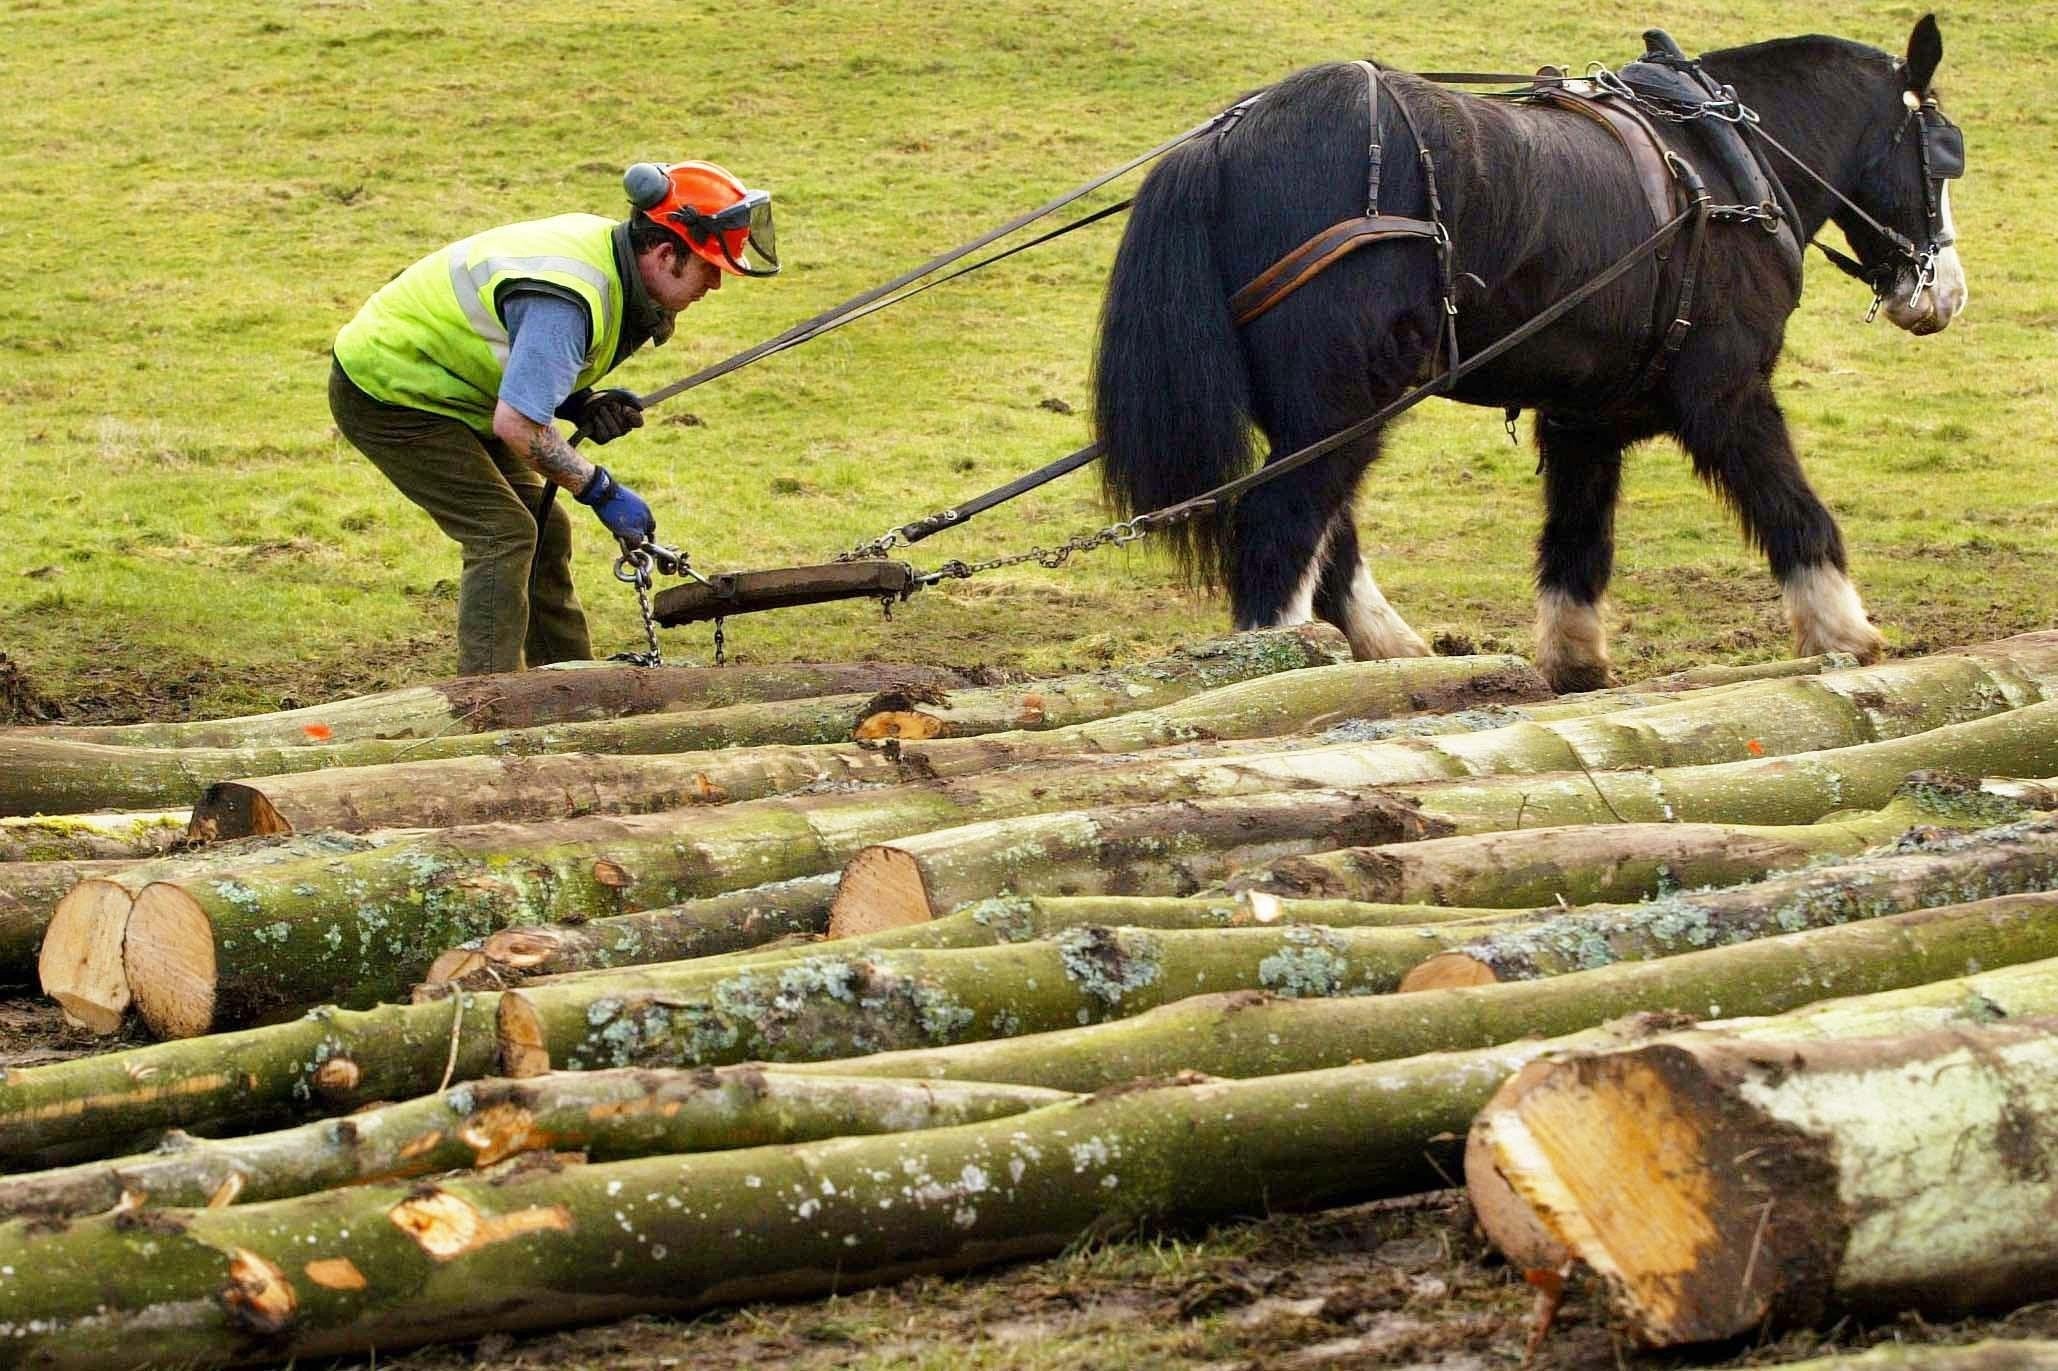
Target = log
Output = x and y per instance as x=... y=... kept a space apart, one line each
x=326 y=1061
x=1100 y=694
x=1584 y=864
x=1722 y=674
x=1717 y=1185
x=465 y=790
x=1775 y=792
x=709 y=927
x=98 y=1106
x=728 y=928
x=29 y=892
x=56 y=774
x=1942 y=870
x=1995 y=1354
x=830 y=1004
x=1023 y=919
x=91 y=837
x=1162 y=849
x=603 y=1115
x=1243 y=1034
x=81 y=960
x=1180 y=848
x=2036 y=794
x=390 y=1265
x=408 y=903
x=566 y=692
x=1797 y=789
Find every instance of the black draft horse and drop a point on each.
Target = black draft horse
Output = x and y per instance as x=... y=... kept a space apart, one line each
x=1537 y=201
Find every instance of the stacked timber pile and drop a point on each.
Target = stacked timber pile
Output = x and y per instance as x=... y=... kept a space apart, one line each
x=556 y=998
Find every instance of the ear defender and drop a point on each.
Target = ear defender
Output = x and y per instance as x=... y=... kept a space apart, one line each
x=646 y=185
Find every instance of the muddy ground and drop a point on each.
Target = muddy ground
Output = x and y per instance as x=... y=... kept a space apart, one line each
x=1406 y=1283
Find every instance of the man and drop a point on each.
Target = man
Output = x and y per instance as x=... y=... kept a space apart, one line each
x=449 y=377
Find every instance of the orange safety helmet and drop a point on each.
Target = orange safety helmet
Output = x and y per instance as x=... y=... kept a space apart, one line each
x=712 y=212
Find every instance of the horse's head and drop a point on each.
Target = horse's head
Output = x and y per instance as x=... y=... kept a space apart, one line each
x=1903 y=183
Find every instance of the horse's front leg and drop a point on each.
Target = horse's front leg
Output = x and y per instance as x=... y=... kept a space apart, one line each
x=1740 y=445
x=1575 y=553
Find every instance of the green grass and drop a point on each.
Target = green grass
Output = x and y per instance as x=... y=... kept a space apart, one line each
x=195 y=198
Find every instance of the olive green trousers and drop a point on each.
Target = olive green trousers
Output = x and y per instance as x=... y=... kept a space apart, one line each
x=515 y=601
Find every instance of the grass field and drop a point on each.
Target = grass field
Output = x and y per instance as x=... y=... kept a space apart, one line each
x=194 y=198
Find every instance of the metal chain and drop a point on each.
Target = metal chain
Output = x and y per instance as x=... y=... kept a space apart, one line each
x=637 y=567
x=1117 y=535
x=872 y=550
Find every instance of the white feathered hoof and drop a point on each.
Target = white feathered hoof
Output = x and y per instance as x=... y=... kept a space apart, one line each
x=1827 y=615
x=1571 y=644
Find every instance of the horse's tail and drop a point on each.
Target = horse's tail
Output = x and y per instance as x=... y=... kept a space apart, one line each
x=1171 y=390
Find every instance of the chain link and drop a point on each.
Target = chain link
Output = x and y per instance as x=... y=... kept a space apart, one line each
x=1116 y=535
x=873 y=550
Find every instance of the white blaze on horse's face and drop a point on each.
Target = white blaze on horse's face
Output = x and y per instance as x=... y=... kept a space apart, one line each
x=1932 y=308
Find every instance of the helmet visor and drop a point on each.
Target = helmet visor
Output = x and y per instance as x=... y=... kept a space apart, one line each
x=742 y=233
x=746 y=235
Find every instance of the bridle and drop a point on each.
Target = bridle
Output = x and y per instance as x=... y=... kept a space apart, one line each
x=1940 y=145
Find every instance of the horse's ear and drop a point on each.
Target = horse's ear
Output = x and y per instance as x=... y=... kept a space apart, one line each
x=1925 y=52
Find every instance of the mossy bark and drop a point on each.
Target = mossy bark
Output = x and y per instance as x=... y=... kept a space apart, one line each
x=1245 y=1034
x=1778 y=794
x=726 y=928
x=389 y=1265
x=125 y=836
x=1936 y=871
x=44 y=774
x=602 y=1115
x=29 y=894
x=563 y=694
x=1162 y=849
x=410 y=902
x=1797 y=789
x=828 y=1004
x=1777 y=1183
x=80 y=963
x=1585 y=864
x=487 y=789
x=328 y=1060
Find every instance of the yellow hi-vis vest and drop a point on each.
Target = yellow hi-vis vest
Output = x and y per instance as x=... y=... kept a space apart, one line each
x=432 y=337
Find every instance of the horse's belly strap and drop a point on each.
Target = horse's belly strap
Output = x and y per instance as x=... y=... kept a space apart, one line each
x=1305 y=262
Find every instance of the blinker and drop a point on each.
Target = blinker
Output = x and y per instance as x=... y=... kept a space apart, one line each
x=1945 y=145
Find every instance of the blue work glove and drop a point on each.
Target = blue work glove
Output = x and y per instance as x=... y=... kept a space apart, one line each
x=620 y=508
x=604 y=415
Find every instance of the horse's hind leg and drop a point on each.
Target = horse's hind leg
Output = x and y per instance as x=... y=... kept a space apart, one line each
x=1575 y=554
x=1296 y=555
x=1349 y=598
x=1739 y=444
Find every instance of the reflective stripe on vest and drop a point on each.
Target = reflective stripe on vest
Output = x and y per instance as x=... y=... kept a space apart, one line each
x=431 y=338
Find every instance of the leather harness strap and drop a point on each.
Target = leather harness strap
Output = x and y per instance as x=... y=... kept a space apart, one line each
x=1646 y=150
x=1294 y=270
x=1318 y=253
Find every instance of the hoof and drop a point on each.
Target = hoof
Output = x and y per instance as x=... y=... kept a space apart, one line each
x=1828 y=616
x=1866 y=646
x=1572 y=678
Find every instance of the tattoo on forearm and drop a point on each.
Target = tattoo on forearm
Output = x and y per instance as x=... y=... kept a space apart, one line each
x=557 y=460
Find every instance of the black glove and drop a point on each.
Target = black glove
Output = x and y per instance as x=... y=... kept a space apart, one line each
x=605 y=415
